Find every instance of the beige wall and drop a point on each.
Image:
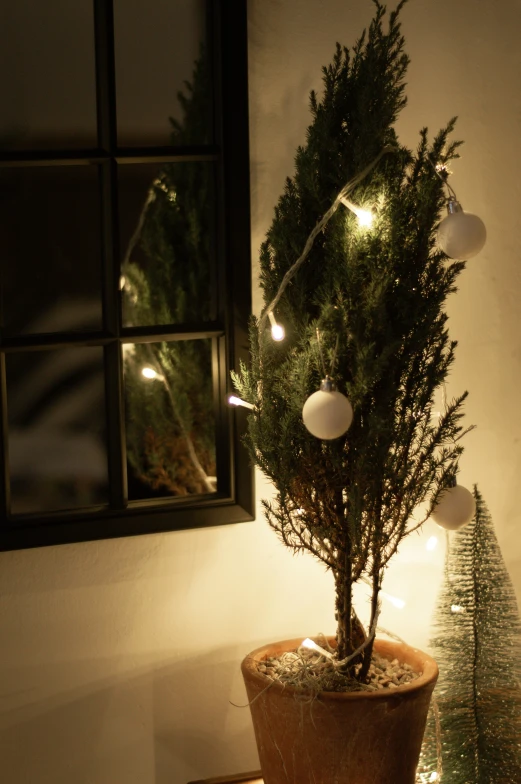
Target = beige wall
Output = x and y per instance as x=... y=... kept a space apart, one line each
x=119 y=659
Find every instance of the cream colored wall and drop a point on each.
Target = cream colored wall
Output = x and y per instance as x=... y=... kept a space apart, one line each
x=119 y=659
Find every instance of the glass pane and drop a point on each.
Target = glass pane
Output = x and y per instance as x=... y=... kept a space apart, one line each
x=50 y=271
x=47 y=74
x=170 y=419
x=57 y=453
x=167 y=233
x=159 y=47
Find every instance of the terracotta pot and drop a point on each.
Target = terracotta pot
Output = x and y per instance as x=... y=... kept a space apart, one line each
x=350 y=738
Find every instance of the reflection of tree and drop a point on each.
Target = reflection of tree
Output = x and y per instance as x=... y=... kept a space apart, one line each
x=170 y=430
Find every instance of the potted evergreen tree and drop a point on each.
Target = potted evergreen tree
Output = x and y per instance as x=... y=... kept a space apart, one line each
x=342 y=418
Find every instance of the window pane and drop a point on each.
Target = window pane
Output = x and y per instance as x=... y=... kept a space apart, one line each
x=158 y=43
x=168 y=242
x=56 y=418
x=50 y=249
x=47 y=74
x=170 y=420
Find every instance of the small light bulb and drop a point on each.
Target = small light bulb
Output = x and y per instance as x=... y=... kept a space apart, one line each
x=308 y=643
x=148 y=372
x=122 y=282
x=365 y=218
x=456 y=608
x=233 y=400
x=277 y=330
x=432 y=543
x=399 y=603
x=434 y=777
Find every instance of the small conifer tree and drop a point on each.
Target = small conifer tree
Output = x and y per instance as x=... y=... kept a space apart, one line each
x=376 y=298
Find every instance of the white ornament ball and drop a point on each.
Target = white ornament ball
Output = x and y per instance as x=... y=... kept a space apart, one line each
x=327 y=414
x=455 y=508
x=461 y=235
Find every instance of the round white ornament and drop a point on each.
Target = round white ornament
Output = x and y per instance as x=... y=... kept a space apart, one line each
x=455 y=508
x=461 y=235
x=327 y=414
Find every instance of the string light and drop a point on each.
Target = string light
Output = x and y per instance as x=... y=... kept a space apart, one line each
x=277 y=330
x=233 y=400
x=365 y=217
x=394 y=600
x=348 y=187
x=311 y=644
x=455 y=608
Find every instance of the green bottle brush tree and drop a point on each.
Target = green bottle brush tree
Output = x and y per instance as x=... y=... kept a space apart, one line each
x=476 y=644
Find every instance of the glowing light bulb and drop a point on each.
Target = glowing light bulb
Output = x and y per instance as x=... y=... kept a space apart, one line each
x=308 y=643
x=456 y=608
x=365 y=217
x=434 y=777
x=399 y=603
x=277 y=330
x=149 y=372
x=432 y=543
x=233 y=400
x=122 y=282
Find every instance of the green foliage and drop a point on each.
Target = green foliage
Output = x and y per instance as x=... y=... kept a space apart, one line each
x=476 y=645
x=170 y=423
x=380 y=294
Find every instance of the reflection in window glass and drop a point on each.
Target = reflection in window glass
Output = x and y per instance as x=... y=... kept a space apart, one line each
x=50 y=260
x=170 y=421
x=57 y=453
x=167 y=232
x=158 y=43
x=47 y=74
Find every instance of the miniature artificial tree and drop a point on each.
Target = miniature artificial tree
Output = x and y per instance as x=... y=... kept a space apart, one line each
x=363 y=310
x=476 y=644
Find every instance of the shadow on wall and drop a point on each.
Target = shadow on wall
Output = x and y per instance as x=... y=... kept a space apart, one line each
x=193 y=715
x=160 y=723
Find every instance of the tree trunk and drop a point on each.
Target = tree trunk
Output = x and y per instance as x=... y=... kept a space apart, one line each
x=344 y=609
x=368 y=650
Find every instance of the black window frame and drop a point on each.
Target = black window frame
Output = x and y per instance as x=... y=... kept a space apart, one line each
x=227 y=28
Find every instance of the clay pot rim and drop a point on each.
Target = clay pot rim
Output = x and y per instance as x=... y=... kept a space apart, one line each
x=429 y=671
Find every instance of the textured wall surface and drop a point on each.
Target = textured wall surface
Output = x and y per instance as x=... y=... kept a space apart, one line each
x=119 y=659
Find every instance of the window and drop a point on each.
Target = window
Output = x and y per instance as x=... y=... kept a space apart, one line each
x=125 y=269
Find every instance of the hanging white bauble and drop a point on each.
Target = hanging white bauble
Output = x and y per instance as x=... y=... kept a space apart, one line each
x=455 y=508
x=327 y=414
x=461 y=235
